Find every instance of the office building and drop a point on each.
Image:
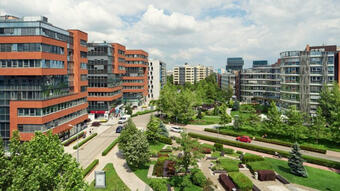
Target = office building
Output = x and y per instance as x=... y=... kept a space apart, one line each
x=43 y=78
x=228 y=79
x=156 y=78
x=260 y=63
x=190 y=74
x=104 y=77
x=234 y=64
x=135 y=79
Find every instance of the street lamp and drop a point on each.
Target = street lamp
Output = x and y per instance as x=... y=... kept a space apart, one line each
x=77 y=143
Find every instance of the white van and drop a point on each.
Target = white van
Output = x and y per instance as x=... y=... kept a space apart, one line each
x=123 y=119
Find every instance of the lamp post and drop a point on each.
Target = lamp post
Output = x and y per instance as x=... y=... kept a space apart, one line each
x=77 y=143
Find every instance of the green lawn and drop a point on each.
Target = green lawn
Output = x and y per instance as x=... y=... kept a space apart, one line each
x=155 y=148
x=317 y=178
x=206 y=120
x=113 y=182
x=142 y=172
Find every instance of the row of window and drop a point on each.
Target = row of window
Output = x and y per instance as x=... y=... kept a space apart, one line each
x=136 y=62
x=133 y=81
x=34 y=112
x=83 y=77
x=133 y=87
x=31 y=47
x=28 y=128
x=136 y=56
x=31 y=64
x=104 y=94
x=83 y=65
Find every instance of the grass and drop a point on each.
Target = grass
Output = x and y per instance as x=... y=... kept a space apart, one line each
x=113 y=182
x=142 y=172
x=206 y=120
x=155 y=148
x=317 y=178
x=259 y=165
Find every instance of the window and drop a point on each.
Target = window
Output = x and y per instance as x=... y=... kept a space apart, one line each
x=83 y=42
x=28 y=31
x=83 y=54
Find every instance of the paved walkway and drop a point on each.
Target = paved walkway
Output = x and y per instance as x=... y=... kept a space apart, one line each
x=205 y=164
x=125 y=173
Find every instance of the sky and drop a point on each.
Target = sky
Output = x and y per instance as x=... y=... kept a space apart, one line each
x=203 y=32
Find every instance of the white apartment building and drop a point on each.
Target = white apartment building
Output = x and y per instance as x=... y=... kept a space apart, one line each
x=190 y=74
x=156 y=78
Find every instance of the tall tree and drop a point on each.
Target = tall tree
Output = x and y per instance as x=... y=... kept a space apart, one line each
x=274 y=123
x=224 y=117
x=190 y=149
x=295 y=119
x=295 y=162
x=128 y=109
x=41 y=164
x=318 y=128
x=153 y=129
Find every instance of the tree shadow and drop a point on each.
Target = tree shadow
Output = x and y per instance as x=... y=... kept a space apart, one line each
x=284 y=169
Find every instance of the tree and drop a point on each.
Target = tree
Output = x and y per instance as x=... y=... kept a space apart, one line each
x=134 y=145
x=274 y=123
x=163 y=130
x=128 y=109
x=190 y=149
x=295 y=162
x=236 y=106
x=199 y=114
x=224 y=117
x=153 y=129
x=318 y=128
x=40 y=164
x=295 y=127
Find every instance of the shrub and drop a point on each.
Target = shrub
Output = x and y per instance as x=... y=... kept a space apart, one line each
x=158 y=168
x=206 y=150
x=96 y=124
x=241 y=181
x=218 y=146
x=89 y=168
x=158 y=184
x=229 y=165
x=84 y=141
x=228 y=151
x=310 y=159
x=239 y=152
x=198 y=178
x=181 y=181
x=166 y=150
x=259 y=165
x=216 y=154
x=165 y=140
x=251 y=158
x=72 y=139
x=108 y=149
x=143 y=112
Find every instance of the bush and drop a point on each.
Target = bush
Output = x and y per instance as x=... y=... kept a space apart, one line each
x=251 y=158
x=165 y=140
x=108 y=149
x=198 y=178
x=236 y=106
x=273 y=141
x=228 y=150
x=72 y=139
x=239 y=152
x=259 y=165
x=158 y=168
x=229 y=165
x=84 y=141
x=182 y=182
x=206 y=150
x=218 y=146
x=165 y=150
x=143 y=112
x=310 y=159
x=158 y=184
x=241 y=181
x=89 y=168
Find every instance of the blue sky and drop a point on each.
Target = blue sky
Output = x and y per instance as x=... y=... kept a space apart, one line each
x=202 y=32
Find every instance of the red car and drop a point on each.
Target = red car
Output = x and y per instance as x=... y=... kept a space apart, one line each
x=245 y=139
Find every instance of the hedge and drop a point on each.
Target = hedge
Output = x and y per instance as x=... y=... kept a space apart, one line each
x=108 y=149
x=72 y=139
x=310 y=159
x=218 y=146
x=165 y=140
x=85 y=140
x=229 y=165
x=143 y=112
x=251 y=158
x=277 y=142
x=165 y=150
x=259 y=165
x=241 y=181
x=89 y=168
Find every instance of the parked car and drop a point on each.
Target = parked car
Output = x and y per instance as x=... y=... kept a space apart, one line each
x=119 y=129
x=245 y=139
x=176 y=129
x=123 y=119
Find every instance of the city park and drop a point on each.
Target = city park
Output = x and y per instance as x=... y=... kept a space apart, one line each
x=192 y=160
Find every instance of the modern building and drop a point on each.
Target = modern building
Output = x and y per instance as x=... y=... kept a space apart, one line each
x=156 y=78
x=260 y=63
x=260 y=84
x=234 y=64
x=43 y=78
x=169 y=73
x=228 y=79
x=190 y=74
x=135 y=79
x=296 y=79
x=104 y=77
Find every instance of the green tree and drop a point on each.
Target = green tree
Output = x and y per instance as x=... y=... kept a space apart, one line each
x=224 y=117
x=190 y=149
x=318 y=128
x=295 y=162
x=128 y=109
x=274 y=123
x=199 y=114
x=295 y=119
x=134 y=145
x=40 y=164
x=163 y=130
x=236 y=106
x=153 y=129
